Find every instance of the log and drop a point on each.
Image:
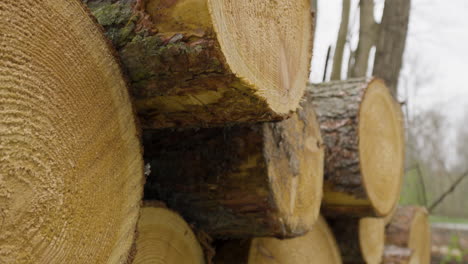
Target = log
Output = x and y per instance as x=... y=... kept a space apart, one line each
x=71 y=166
x=209 y=63
x=259 y=180
x=359 y=240
x=164 y=237
x=409 y=229
x=362 y=129
x=317 y=246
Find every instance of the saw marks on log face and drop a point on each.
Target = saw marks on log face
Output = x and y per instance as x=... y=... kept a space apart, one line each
x=164 y=237
x=381 y=147
x=70 y=162
x=372 y=239
x=265 y=43
x=317 y=246
x=419 y=238
x=294 y=153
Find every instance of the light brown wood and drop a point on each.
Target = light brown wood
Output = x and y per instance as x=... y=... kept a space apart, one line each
x=211 y=62
x=362 y=128
x=360 y=240
x=409 y=229
x=259 y=180
x=317 y=246
x=164 y=237
x=71 y=170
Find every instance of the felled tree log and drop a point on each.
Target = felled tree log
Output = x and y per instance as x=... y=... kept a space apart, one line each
x=71 y=167
x=362 y=129
x=259 y=180
x=409 y=229
x=317 y=246
x=359 y=240
x=210 y=62
x=164 y=237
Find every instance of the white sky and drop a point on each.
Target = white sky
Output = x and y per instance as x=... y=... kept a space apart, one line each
x=437 y=51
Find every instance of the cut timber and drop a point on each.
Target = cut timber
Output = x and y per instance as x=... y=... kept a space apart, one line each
x=317 y=246
x=362 y=128
x=409 y=229
x=258 y=180
x=164 y=237
x=360 y=240
x=71 y=169
x=211 y=62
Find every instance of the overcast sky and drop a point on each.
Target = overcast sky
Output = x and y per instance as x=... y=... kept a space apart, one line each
x=436 y=51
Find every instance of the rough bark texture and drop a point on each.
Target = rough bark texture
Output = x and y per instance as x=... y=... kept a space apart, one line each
x=178 y=74
x=341 y=41
x=346 y=232
x=391 y=42
x=338 y=105
x=368 y=34
x=359 y=240
x=234 y=181
x=409 y=229
x=337 y=108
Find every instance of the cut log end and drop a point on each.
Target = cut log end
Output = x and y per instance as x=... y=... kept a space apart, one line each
x=372 y=239
x=381 y=147
x=419 y=238
x=317 y=246
x=164 y=237
x=269 y=182
x=204 y=63
x=295 y=167
x=363 y=132
x=408 y=230
x=71 y=167
x=268 y=45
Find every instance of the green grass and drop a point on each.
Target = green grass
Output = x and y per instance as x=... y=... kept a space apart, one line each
x=446 y=219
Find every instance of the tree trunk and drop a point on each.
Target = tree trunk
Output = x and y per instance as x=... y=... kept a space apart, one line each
x=258 y=180
x=164 y=237
x=207 y=62
x=341 y=41
x=368 y=34
x=359 y=240
x=71 y=168
x=317 y=246
x=409 y=229
x=391 y=42
x=363 y=132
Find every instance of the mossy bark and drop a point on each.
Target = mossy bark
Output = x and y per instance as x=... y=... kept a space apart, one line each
x=177 y=73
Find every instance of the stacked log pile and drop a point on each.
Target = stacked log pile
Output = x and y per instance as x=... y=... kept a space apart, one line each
x=245 y=162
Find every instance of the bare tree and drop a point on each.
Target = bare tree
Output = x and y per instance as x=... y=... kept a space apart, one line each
x=389 y=38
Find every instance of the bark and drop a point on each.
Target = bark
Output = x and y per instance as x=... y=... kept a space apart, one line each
x=409 y=229
x=317 y=246
x=359 y=240
x=187 y=70
x=338 y=106
x=391 y=42
x=258 y=180
x=341 y=41
x=68 y=142
x=368 y=34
